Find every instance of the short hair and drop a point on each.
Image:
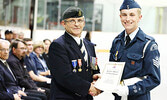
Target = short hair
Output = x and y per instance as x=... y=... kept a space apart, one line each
x=27 y=39
x=8 y=32
x=2 y=41
x=14 y=43
x=37 y=44
x=47 y=40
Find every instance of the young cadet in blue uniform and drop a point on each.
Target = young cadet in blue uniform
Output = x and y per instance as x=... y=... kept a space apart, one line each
x=140 y=52
x=71 y=73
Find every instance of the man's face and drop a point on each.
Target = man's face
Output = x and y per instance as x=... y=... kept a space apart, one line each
x=9 y=36
x=74 y=26
x=4 y=50
x=130 y=19
x=20 y=51
x=29 y=46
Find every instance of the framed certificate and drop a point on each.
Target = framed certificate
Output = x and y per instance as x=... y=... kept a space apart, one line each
x=111 y=76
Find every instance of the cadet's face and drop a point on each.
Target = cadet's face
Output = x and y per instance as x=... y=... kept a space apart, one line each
x=4 y=50
x=130 y=19
x=74 y=26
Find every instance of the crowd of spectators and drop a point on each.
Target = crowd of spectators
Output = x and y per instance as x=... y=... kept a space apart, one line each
x=27 y=63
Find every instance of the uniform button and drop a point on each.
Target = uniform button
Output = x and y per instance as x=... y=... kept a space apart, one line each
x=86 y=69
x=134 y=87
x=135 y=91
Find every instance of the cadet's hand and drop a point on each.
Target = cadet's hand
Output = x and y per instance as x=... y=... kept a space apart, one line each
x=121 y=90
x=16 y=97
x=94 y=91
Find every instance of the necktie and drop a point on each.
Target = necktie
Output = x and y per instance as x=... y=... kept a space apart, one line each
x=6 y=64
x=83 y=50
x=127 y=40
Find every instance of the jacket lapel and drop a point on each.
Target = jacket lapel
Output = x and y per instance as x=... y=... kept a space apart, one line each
x=72 y=44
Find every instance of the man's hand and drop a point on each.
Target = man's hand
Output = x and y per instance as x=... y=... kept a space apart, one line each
x=95 y=77
x=21 y=93
x=40 y=90
x=16 y=97
x=121 y=90
x=94 y=91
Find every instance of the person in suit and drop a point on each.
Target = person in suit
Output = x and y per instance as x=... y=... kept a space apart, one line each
x=16 y=63
x=70 y=59
x=9 y=88
x=139 y=52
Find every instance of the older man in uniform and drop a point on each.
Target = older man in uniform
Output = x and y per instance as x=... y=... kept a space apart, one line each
x=70 y=59
x=140 y=52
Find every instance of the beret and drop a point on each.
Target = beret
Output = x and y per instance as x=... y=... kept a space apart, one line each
x=72 y=12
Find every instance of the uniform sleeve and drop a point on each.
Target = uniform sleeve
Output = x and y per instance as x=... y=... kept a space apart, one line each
x=61 y=71
x=150 y=69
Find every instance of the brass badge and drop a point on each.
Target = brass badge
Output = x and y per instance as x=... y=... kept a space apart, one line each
x=79 y=13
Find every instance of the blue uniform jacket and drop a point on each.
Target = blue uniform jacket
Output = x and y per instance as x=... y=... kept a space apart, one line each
x=138 y=63
x=66 y=84
x=8 y=85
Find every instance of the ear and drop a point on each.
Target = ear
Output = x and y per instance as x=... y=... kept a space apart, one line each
x=63 y=23
x=140 y=17
x=14 y=50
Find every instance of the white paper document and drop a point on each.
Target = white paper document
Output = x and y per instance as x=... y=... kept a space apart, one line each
x=111 y=76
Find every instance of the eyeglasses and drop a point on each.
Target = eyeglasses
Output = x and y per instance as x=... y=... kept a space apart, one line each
x=79 y=21
x=25 y=49
x=3 y=50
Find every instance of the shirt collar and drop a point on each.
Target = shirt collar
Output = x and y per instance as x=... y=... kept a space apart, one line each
x=3 y=60
x=133 y=34
x=77 y=39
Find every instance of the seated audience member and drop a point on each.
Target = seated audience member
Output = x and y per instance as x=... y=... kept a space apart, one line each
x=8 y=35
x=40 y=63
x=15 y=35
x=9 y=88
x=21 y=35
x=45 y=55
x=4 y=94
x=41 y=81
x=16 y=63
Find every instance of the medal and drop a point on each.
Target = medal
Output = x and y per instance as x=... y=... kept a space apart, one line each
x=80 y=65
x=94 y=63
x=74 y=64
x=116 y=54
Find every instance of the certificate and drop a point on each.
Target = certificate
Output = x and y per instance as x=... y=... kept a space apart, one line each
x=111 y=76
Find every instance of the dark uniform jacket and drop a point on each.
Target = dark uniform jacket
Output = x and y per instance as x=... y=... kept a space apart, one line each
x=20 y=71
x=139 y=63
x=67 y=84
x=8 y=85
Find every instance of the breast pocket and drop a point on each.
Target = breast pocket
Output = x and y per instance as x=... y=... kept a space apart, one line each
x=134 y=61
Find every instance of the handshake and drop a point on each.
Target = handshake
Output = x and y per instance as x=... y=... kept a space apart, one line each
x=119 y=90
x=93 y=91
